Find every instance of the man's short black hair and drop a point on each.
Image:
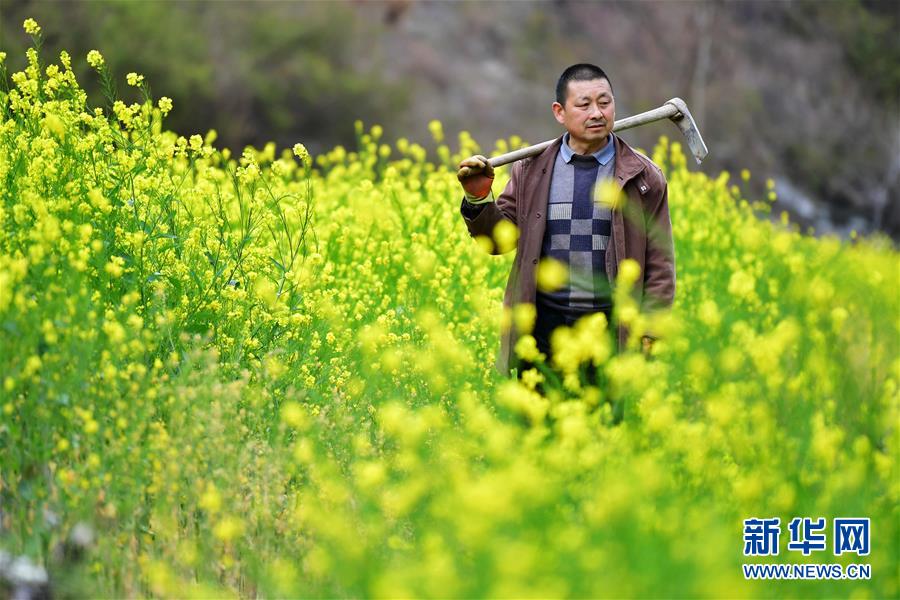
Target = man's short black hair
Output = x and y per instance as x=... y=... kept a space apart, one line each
x=579 y=72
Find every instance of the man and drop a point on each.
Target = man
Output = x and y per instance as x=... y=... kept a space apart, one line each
x=550 y=198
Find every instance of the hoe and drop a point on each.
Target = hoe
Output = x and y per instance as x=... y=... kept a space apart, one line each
x=675 y=110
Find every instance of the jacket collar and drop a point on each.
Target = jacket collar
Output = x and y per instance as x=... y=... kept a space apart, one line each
x=628 y=163
x=545 y=159
x=602 y=156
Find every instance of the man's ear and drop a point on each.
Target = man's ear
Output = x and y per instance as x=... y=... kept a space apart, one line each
x=558 y=112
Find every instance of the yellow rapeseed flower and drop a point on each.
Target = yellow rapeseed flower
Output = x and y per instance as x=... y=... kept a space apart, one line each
x=302 y=153
x=520 y=399
x=211 y=499
x=526 y=349
x=485 y=243
x=741 y=284
x=115 y=266
x=293 y=415
x=552 y=274
x=531 y=377
x=31 y=27
x=54 y=124
x=95 y=59
x=609 y=194
x=91 y=426
x=437 y=130
x=506 y=234
x=228 y=528
x=524 y=315
x=629 y=271
x=709 y=314
x=165 y=105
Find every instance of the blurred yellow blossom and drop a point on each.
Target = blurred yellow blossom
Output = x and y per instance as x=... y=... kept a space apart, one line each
x=609 y=194
x=526 y=349
x=437 y=130
x=31 y=27
x=505 y=235
x=552 y=274
x=302 y=153
x=95 y=59
x=165 y=105
x=228 y=528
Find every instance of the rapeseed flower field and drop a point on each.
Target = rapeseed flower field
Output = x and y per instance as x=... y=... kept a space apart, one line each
x=271 y=375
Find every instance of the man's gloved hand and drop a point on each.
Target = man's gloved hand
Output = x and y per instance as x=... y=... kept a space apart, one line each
x=476 y=176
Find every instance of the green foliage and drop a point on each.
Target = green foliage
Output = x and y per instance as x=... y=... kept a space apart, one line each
x=293 y=69
x=868 y=32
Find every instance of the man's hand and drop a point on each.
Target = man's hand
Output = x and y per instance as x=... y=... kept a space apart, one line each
x=476 y=176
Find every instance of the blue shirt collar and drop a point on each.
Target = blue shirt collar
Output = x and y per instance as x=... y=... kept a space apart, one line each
x=603 y=155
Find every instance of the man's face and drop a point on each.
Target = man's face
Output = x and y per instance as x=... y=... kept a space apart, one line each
x=589 y=113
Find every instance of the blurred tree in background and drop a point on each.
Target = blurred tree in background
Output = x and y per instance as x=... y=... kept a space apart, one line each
x=253 y=72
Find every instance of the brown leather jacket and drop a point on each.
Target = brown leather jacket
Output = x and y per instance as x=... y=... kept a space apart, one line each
x=641 y=230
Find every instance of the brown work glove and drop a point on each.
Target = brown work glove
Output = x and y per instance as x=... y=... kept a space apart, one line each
x=476 y=175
